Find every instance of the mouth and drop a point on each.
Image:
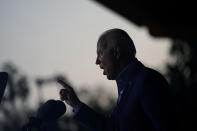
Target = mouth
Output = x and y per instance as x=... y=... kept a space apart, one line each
x=101 y=67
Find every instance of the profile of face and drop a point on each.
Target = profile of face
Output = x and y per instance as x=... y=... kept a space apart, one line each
x=107 y=60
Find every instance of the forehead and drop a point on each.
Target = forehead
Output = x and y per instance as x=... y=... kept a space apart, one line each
x=101 y=44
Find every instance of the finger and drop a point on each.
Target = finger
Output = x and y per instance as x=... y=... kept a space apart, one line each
x=64 y=92
x=64 y=84
x=64 y=98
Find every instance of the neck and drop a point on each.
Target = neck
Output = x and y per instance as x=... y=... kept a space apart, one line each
x=125 y=62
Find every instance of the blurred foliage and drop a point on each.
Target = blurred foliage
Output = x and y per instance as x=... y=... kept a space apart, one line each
x=15 y=110
x=14 y=107
x=182 y=76
x=42 y=82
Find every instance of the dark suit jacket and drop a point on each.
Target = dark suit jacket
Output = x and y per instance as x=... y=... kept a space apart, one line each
x=146 y=105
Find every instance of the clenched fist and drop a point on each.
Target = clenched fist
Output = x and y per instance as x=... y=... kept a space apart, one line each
x=68 y=94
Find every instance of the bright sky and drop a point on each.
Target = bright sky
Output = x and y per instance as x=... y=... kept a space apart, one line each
x=46 y=37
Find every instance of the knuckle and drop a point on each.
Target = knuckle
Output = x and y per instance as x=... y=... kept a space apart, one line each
x=61 y=91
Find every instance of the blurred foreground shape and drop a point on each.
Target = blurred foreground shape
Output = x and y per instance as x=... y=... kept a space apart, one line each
x=165 y=18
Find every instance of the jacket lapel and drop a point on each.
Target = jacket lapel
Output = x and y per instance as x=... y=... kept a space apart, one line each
x=129 y=87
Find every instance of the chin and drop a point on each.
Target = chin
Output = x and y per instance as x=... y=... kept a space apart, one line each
x=110 y=77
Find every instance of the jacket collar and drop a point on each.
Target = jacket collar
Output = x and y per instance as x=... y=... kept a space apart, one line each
x=127 y=74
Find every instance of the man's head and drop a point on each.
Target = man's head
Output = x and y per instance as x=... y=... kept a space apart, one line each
x=115 y=49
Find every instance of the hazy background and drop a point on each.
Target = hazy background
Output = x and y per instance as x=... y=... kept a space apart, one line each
x=46 y=37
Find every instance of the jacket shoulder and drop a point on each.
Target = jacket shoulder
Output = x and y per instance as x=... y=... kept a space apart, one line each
x=154 y=79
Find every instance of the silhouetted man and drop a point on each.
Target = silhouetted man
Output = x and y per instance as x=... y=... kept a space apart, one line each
x=144 y=100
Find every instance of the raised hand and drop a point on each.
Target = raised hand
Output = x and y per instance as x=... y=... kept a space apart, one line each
x=68 y=94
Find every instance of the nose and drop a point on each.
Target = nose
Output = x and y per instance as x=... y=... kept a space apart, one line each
x=97 y=61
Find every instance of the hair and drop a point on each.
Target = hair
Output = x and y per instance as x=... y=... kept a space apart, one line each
x=118 y=37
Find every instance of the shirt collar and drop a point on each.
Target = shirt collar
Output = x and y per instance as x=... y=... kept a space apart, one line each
x=126 y=74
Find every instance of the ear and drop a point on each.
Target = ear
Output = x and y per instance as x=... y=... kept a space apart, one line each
x=117 y=52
